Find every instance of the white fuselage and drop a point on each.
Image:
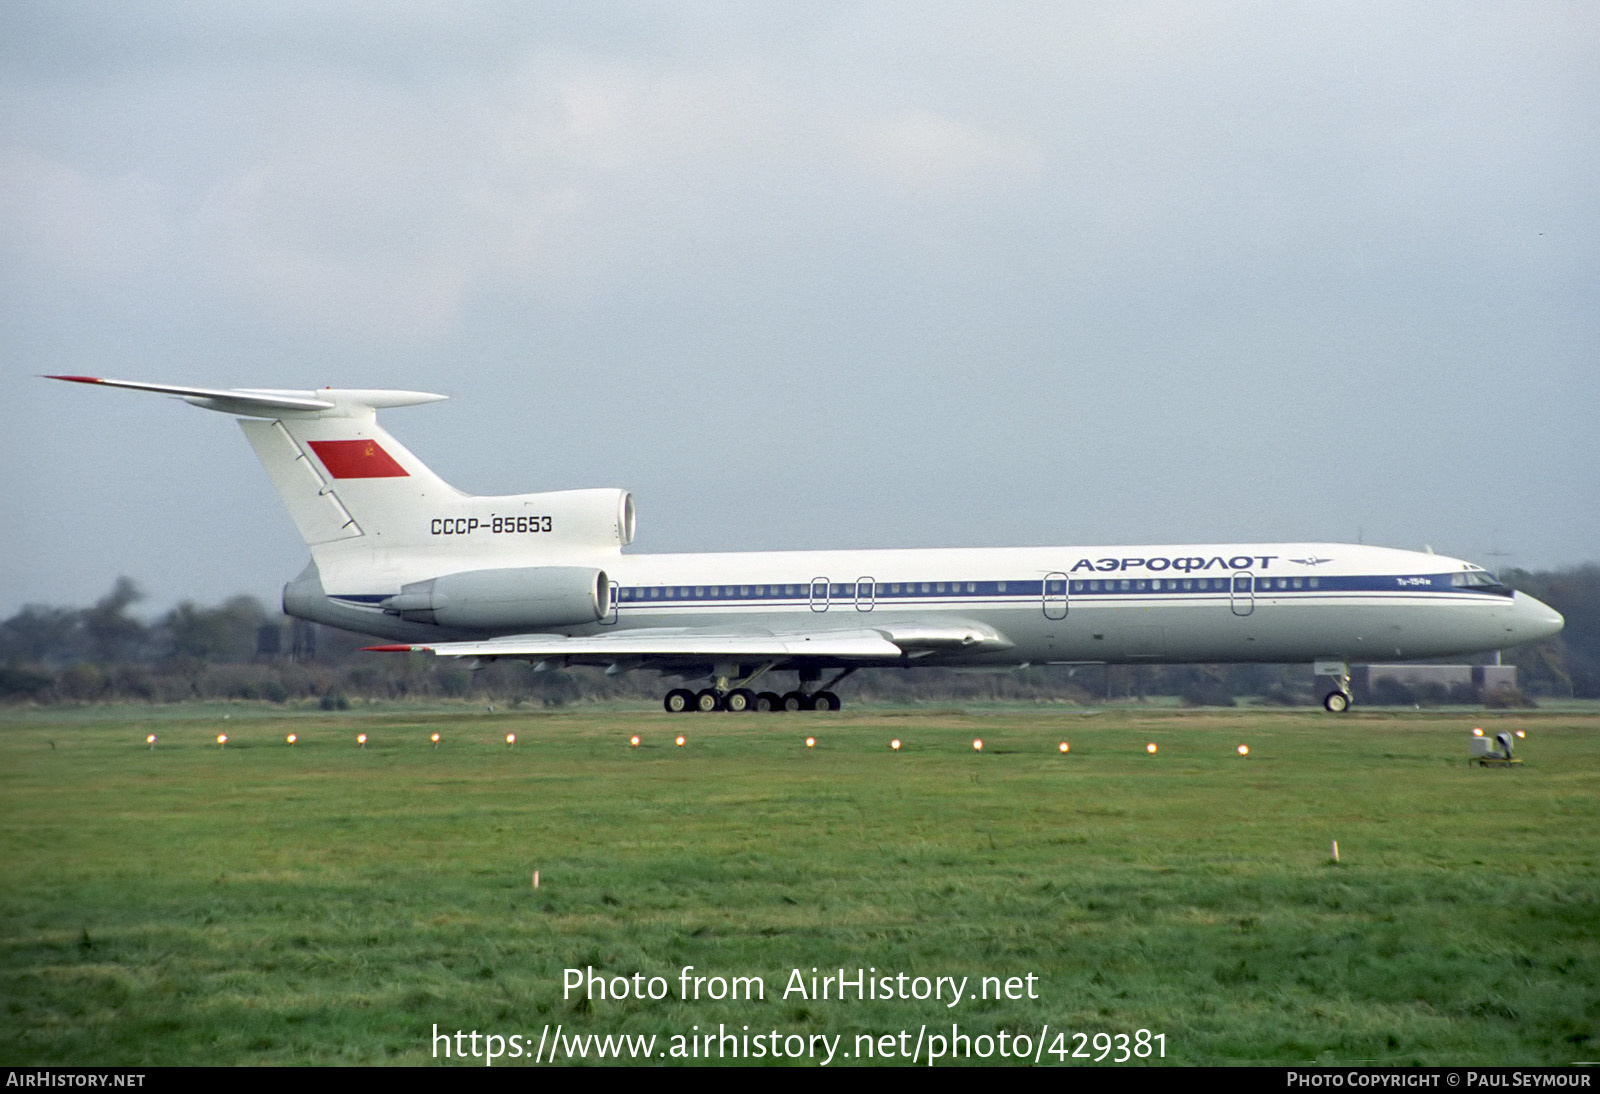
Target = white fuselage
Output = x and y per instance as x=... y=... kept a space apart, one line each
x=1184 y=603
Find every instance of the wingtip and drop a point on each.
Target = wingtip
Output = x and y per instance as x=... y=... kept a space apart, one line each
x=76 y=379
x=394 y=649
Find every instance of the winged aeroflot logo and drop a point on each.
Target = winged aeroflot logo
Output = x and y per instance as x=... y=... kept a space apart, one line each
x=1313 y=560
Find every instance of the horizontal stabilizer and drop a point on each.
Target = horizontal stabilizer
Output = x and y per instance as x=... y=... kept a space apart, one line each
x=268 y=402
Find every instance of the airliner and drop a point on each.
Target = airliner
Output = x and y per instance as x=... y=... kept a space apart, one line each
x=545 y=578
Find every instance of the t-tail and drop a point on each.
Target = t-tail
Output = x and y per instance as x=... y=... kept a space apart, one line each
x=395 y=548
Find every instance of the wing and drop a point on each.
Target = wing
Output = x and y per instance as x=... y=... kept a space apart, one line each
x=884 y=645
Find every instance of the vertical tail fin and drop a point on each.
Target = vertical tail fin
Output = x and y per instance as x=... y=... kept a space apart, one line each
x=374 y=516
x=340 y=474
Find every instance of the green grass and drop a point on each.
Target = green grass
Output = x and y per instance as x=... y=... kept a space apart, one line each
x=329 y=904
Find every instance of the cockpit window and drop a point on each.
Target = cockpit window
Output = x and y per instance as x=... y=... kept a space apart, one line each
x=1475 y=579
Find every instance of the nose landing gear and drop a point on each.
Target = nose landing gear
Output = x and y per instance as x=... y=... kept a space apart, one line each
x=1333 y=681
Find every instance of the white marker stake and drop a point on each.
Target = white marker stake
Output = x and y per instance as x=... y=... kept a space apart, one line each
x=1335 y=850
x=536 y=879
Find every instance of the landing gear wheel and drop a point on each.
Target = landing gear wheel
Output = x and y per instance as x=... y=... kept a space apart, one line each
x=707 y=701
x=739 y=700
x=678 y=700
x=1336 y=702
x=825 y=700
x=768 y=700
x=793 y=700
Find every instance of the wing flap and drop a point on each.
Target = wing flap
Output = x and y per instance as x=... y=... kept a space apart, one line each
x=673 y=642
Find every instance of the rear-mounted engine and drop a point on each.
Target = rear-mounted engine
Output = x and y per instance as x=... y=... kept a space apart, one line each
x=524 y=598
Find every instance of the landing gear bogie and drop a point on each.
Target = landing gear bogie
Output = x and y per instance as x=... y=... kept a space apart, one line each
x=740 y=700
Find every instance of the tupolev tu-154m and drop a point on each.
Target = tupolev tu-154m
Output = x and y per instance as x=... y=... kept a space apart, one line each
x=545 y=578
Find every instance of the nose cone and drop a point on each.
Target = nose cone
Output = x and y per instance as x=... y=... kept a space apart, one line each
x=1532 y=620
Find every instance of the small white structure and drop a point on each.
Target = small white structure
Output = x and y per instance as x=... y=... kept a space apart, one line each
x=1492 y=753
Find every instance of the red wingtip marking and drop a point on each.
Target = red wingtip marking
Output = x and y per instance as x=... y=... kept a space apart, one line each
x=391 y=649
x=78 y=379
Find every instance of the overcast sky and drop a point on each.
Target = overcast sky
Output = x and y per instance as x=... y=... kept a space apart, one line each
x=809 y=275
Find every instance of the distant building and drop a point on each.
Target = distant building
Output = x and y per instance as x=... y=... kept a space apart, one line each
x=302 y=640
x=269 y=641
x=1437 y=683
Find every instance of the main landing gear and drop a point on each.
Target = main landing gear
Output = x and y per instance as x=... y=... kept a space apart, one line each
x=741 y=699
x=1333 y=682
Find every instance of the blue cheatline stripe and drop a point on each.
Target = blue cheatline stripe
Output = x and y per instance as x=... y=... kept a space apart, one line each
x=890 y=592
x=845 y=593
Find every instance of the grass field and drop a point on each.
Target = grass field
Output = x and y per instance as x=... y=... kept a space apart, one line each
x=325 y=903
